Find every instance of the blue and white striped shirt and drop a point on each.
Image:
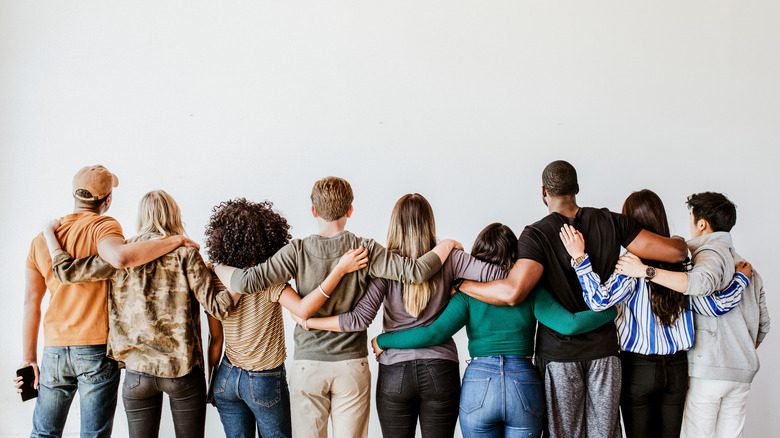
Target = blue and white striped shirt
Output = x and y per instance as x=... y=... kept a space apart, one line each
x=638 y=328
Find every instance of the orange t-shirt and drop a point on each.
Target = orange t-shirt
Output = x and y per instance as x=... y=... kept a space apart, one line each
x=77 y=313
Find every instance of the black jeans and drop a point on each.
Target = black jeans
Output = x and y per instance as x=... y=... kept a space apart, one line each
x=428 y=388
x=142 y=396
x=653 y=394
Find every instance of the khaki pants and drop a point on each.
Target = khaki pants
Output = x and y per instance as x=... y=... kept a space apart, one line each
x=340 y=389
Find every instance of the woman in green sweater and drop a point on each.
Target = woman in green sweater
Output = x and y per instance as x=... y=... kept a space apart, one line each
x=502 y=394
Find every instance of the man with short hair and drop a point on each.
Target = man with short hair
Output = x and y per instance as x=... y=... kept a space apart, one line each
x=330 y=376
x=75 y=326
x=582 y=374
x=723 y=360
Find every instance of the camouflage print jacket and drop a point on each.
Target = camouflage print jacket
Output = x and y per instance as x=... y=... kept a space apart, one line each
x=154 y=316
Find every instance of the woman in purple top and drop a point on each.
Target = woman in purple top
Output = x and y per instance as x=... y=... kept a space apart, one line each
x=420 y=382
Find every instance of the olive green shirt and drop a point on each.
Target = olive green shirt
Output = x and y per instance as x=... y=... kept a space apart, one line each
x=309 y=261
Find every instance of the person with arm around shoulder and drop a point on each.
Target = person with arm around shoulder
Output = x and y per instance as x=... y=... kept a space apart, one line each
x=329 y=378
x=582 y=383
x=654 y=324
x=154 y=320
x=723 y=360
x=249 y=386
x=75 y=326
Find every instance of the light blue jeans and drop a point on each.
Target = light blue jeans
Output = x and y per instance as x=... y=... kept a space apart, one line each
x=502 y=396
x=249 y=400
x=63 y=371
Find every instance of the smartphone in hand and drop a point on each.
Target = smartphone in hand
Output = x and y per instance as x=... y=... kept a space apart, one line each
x=28 y=378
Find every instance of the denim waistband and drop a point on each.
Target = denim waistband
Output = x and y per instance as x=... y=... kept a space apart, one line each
x=498 y=360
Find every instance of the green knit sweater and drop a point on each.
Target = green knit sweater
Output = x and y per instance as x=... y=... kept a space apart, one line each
x=498 y=330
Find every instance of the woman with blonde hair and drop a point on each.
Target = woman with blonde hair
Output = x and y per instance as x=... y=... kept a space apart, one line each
x=421 y=382
x=154 y=320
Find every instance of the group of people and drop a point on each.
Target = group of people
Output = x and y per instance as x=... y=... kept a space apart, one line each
x=665 y=339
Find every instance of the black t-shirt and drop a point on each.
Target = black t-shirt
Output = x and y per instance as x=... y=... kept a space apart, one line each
x=605 y=232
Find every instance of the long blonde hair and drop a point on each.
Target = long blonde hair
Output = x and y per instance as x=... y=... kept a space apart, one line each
x=412 y=232
x=158 y=213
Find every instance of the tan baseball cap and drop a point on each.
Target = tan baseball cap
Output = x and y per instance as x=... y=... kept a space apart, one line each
x=96 y=180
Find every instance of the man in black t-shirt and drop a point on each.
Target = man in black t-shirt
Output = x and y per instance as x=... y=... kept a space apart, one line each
x=581 y=373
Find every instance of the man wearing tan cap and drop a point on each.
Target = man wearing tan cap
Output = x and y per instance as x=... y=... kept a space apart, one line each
x=75 y=326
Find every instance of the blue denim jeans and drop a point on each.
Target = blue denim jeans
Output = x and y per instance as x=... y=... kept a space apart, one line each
x=65 y=370
x=502 y=396
x=249 y=400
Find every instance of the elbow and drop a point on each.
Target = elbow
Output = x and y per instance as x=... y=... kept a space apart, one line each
x=119 y=261
x=514 y=296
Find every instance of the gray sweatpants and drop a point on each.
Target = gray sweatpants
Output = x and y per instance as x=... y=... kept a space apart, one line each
x=582 y=398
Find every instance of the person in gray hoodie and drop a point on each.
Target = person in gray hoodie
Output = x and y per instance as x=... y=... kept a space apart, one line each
x=723 y=360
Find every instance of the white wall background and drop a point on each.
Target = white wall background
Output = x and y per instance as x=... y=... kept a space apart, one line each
x=464 y=102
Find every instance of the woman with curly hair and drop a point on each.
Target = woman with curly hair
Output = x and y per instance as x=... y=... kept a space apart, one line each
x=250 y=385
x=154 y=320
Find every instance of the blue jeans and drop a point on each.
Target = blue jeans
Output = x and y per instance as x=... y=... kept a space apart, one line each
x=63 y=371
x=502 y=396
x=252 y=399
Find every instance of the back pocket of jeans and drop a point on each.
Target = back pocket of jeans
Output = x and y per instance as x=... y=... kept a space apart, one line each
x=266 y=388
x=96 y=368
x=532 y=396
x=50 y=368
x=132 y=380
x=472 y=394
x=391 y=378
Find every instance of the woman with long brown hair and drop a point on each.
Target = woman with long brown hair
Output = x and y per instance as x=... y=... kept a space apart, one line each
x=654 y=324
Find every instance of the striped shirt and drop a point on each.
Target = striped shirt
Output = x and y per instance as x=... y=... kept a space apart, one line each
x=638 y=328
x=254 y=332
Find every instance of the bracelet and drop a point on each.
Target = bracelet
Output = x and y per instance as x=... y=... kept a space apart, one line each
x=323 y=292
x=305 y=324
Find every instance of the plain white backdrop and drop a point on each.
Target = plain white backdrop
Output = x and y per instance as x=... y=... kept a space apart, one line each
x=464 y=102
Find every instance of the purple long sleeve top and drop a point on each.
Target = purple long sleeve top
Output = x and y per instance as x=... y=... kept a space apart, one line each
x=379 y=290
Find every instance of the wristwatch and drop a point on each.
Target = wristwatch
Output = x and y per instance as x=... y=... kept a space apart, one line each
x=456 y=284
x=649 y=273
x=579 y=259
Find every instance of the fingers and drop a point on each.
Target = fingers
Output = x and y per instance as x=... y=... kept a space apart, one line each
x=457 y=245
x=190 y=243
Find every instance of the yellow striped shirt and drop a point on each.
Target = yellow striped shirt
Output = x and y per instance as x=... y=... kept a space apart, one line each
x=254 y=332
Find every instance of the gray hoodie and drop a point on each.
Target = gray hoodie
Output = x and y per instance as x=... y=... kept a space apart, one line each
x=725 y=346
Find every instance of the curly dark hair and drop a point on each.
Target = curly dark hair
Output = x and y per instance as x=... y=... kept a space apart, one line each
x=241 y=233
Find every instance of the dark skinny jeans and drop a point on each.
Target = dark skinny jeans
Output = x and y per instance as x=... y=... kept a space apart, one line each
x=424 y=388
x=142 y=395
x=653 y=393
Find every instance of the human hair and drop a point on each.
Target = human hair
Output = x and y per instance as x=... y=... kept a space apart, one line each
x=715 y=208
x=242 y=233
x=560 y=179
x=412 y=232
x=91 y=205
x=159 y=213
x=496 y=244
x=331 y=197
x=647 y=209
